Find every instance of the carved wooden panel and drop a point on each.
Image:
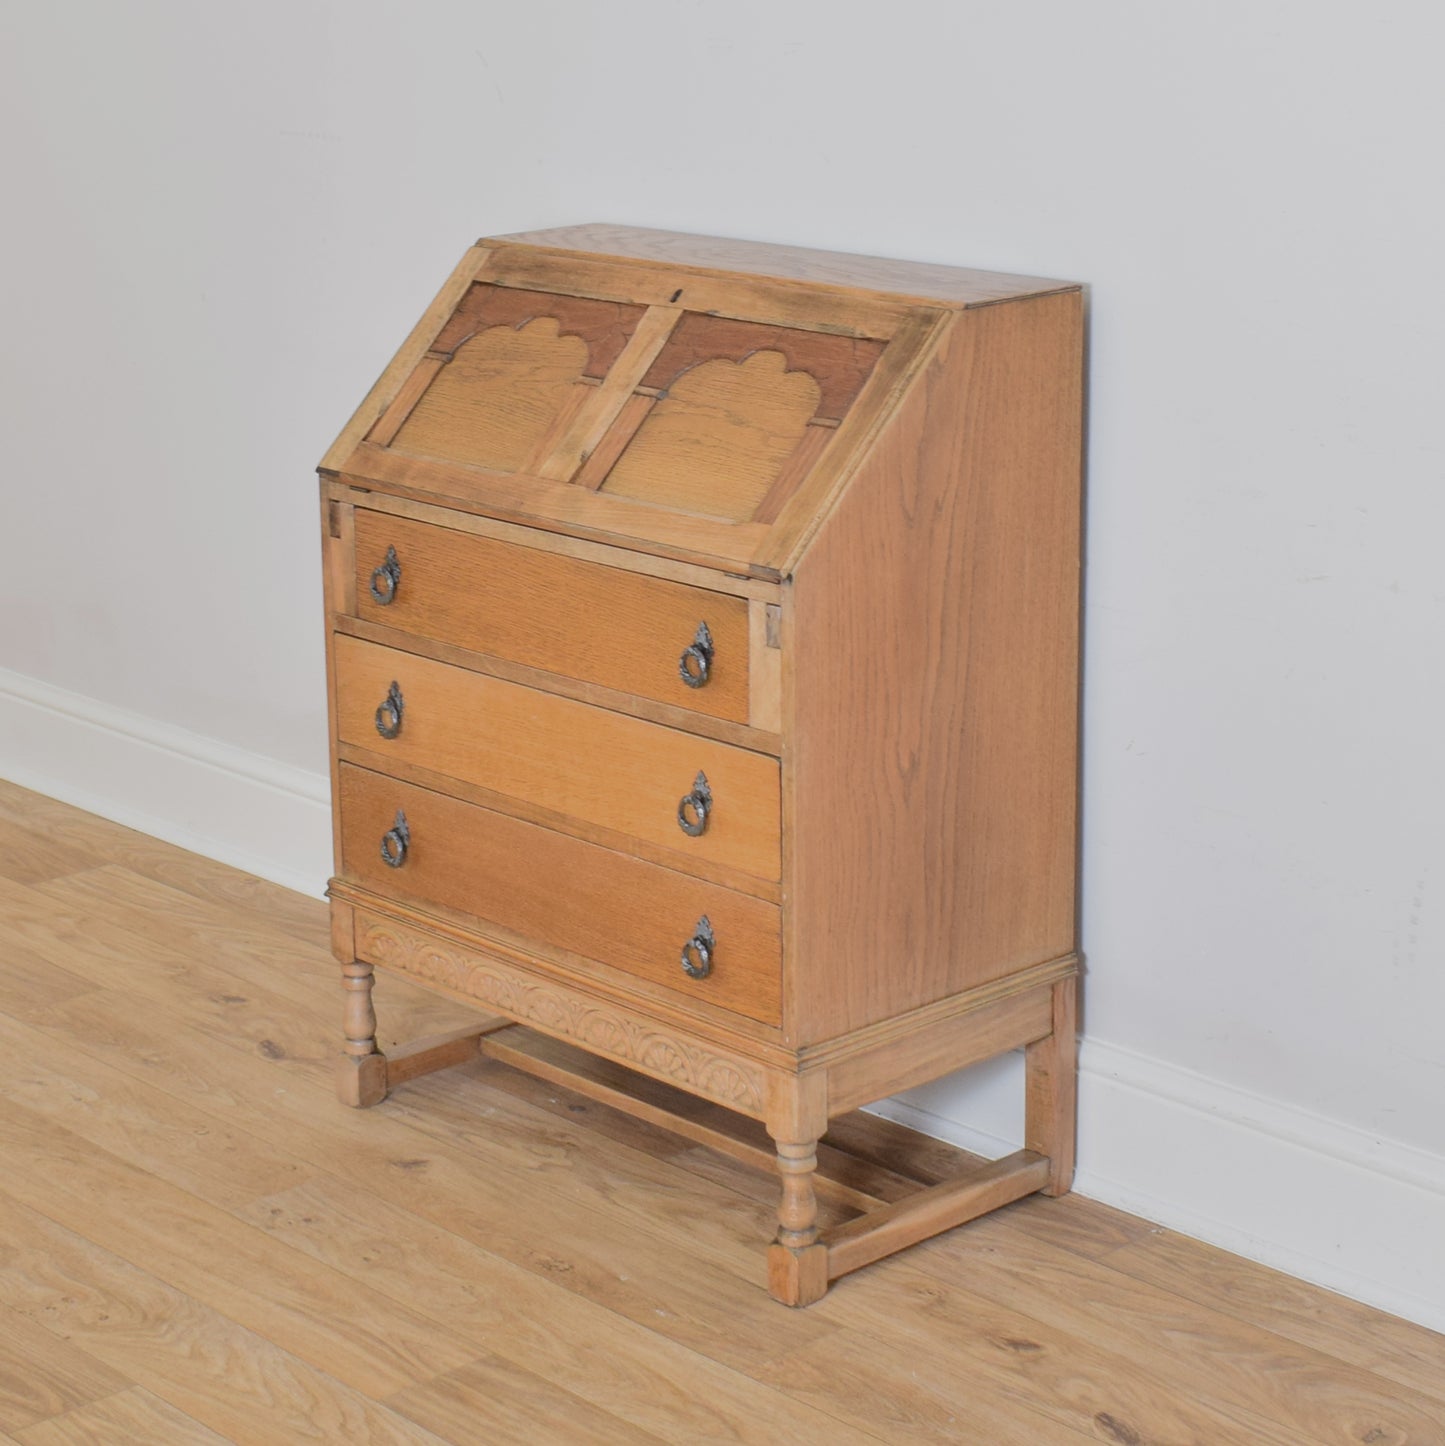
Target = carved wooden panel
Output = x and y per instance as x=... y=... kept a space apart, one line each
x=741 y=411
x=839 y=364
x=505 y=371
x=604 y=327
x=717 y=441
x=496 y=400
x=602 y=1027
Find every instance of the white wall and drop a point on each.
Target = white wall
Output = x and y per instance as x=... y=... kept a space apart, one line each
x=221 y=220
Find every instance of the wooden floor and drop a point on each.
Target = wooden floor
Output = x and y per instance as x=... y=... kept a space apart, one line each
x=198 y=1244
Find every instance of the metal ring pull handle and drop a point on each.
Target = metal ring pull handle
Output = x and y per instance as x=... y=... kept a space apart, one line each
x=694 y=808
x=388 y=713
x=696 y=661
x=385 y=578
x=395 y=842
x=697 y=952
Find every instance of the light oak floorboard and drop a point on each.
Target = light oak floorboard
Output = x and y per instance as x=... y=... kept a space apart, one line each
x=649 y=1380
x=578 y=1243
x=41 y=1376
x=194 y=1235
x=494 y=1402
x=230 y=1379
x=1293 y=1309
x=129 y=1416
x=1239 y=1366
x=31 y=855
x=318 y=1315
x=165 y=863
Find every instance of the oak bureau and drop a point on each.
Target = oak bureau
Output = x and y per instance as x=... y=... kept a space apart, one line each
x=702 y=640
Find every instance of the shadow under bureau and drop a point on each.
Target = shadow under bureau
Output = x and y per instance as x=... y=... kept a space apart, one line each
x=702 y=640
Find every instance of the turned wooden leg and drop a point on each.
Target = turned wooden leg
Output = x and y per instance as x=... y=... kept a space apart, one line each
x=1051 y=1065
x=797 y=1116
x=797 y=1262
x=361 y=1070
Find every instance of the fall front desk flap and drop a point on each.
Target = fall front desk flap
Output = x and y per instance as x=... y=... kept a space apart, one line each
x=685 y=410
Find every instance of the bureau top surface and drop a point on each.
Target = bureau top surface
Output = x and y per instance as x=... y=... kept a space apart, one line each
x=687 y=396
x=923 y=281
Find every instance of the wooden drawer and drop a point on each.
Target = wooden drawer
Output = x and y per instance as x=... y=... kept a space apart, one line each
x=561 y=892
x=601 y=768
x=577 y=619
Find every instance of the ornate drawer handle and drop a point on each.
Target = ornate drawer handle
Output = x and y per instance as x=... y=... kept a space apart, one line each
x=697 y=952
x=388 y=713
x=694 y=807
x=395 y=842
x=696 y=661
x=385 y=578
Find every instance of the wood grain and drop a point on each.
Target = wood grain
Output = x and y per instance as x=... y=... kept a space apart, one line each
x=1051 y=1067
x=496 y=1400
x=582 y=762
x=564 y=508
x=518 y=989
x=702 y=725
x=42 y=1376
x=134 y=1415
x=1256 y=1296
x=765 y=667
x=791 y=474
x=717 y=442
x=30 y=856
x=578 y=436
x=839 y=365
x=804 y=499
x=603 y=554
x=1238 y=1368
x=579 y=619
x=498 y=398
x=620 y=911
x=926 y=1053
x=232 y=1380
x=547 y=1331
x=150 y=860
x=405 y=361
x=975 y=1354
x=957 y=285
x=939 y=1207
x=592 y=472
x=745 y=298
x=604 y=328
x=933 y=714
x=372 y=1345
x=399 y=409
x=517 y=1220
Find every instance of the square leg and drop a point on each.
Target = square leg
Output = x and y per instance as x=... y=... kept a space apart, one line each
x=1051 y=1109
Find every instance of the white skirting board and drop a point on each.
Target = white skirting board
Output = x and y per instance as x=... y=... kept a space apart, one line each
x=1307 y=1195
x=211 y=797
x=1294 y=1190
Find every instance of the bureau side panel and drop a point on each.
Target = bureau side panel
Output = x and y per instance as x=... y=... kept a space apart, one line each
x=931 y=686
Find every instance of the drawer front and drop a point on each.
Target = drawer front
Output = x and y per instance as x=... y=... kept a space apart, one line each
x=571 y=758
x=545 y=610
x=561 y=892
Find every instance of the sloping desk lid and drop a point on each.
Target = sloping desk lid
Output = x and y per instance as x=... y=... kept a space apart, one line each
x=698 y=399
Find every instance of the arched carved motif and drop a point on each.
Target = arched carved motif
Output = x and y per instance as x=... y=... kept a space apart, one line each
x=717 y=441
x=603 y=326
x=496 y=400
x=839 y=365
